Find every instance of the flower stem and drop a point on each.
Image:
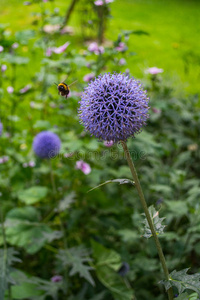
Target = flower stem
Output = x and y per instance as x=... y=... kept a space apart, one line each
x=151 y=225
x=52 y=179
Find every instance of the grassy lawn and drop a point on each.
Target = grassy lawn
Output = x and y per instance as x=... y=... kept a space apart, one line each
x=172 y=44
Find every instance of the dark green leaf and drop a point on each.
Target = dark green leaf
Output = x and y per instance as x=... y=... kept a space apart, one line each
x=182 y=281
x=76 y=257
x=33 y=194
x=24 y=230
x=107 y=263
x=159 y=228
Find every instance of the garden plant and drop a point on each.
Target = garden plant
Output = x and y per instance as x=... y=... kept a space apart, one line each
x=99 y=181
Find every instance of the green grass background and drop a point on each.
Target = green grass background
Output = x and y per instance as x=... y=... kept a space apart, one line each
x=173 y=42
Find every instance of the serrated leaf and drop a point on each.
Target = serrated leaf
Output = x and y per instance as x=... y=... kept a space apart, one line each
x=120 y=181
x=183 y=281
x=76 y=258
x=66 y=202
x=7 y=259
x=159 y=228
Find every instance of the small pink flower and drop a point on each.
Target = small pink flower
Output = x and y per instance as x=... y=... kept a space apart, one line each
x=108 y=143
x=31 y=164
x=122 y=62
x=61 y=49
x=1 y=48
x=48 y=51
x=45 y=0
x=48 y=28
x=25 y=89
x=83 y=166
x=93 y=47
x=10 y=89
x=15 y=45
x=156 y=110
x=98 y=2
x=121 y=47
x=88 y=77
x=56 y=278
x=4 y=159
x=25 y=165
x=32 y=104
x=101 y=50
x=154 y=71
x=3 y=68
x=101 y=2
x=66 y=155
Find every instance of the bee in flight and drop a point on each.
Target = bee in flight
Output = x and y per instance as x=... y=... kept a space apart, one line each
x=63 y=88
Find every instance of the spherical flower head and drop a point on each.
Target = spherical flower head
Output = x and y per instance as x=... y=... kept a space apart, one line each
x=46 y=144
x=114 y=107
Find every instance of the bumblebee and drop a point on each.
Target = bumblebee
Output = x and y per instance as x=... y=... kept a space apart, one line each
x=63 y=88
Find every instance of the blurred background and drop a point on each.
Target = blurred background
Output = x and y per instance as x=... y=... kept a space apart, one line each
x=59 y=241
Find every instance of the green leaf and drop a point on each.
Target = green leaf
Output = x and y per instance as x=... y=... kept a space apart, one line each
x=107 y=257
x=42 y=124
x=66 y=202
x=33 y=194
x=25 y=290
x=182 y=281
x=24 y=230
x=120 y=181
x=18 y=60
x=24 y=35
x=107 y=262
x=76 y=257
x=7 y=259
x=159 y=228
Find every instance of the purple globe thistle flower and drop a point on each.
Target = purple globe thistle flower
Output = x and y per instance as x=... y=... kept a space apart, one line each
x=46 y=144
x=113 y=107
x=1 y=128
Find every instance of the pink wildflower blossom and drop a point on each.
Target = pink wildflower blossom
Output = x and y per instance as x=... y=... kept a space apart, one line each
x=25 y=89
x=83 y=166
x=154 y=71
x=108 y=143
x=3 y=68
x=88 y=77
x=10 y=89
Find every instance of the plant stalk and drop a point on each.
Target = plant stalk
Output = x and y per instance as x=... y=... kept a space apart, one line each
x=151 y=225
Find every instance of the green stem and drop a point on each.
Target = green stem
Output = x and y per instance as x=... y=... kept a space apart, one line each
x=52 y=179
x=151 y=225
x=5 y=255
x=61 y=223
